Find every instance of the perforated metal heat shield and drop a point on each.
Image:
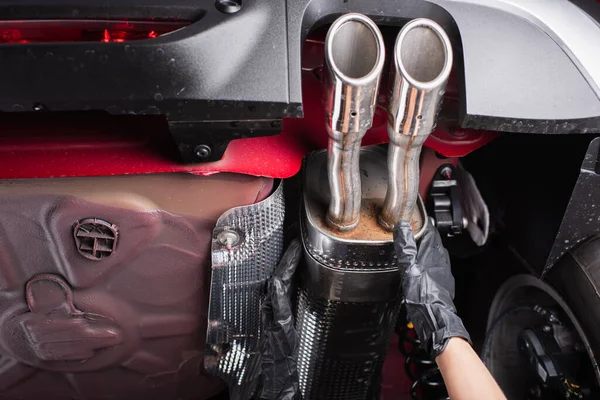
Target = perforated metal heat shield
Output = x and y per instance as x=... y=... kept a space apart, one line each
x=342 y=346
x=239 y=275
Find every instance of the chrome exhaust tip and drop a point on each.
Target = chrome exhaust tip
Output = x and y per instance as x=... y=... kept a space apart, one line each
x=422 y=63
x=354 y=58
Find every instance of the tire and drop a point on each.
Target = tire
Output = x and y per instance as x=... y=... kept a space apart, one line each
x=516 y=307
x=576 y=277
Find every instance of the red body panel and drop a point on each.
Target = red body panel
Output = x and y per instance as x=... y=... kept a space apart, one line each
x=104 y=148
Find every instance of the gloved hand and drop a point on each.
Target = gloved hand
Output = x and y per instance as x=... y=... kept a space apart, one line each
x=428 y=288
x=279 y=342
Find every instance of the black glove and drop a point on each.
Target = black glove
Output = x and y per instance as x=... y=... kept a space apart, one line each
x=428 y=288
x=279 y=343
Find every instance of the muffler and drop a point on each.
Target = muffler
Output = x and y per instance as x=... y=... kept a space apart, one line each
x=348 y=296
x=354 y=57
x=422 y=64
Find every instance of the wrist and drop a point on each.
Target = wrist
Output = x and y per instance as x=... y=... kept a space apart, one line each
x=453 y=345
x=435 y=325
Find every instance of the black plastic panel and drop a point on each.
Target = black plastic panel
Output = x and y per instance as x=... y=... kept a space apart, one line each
x=581 y=219
x=246 y=65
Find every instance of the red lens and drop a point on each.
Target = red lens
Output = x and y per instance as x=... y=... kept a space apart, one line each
x=60 y=31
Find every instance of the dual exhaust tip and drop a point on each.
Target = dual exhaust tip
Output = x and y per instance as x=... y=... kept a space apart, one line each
x=355 y=56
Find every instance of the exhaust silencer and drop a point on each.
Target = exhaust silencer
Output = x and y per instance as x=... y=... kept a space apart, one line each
x=348 y=295
x=422 y=64
x=354 y=57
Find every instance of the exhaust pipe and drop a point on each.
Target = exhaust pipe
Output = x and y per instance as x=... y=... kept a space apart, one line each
x=348 y=294
x=354 y=56
x=422 y=64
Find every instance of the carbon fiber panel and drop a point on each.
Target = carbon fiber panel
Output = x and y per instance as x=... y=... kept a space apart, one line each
x=246 y=246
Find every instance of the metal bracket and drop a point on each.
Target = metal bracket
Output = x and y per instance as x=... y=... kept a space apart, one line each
x=206 y=141
x=444 y=202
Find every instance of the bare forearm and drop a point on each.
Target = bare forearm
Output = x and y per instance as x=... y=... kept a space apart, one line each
x=466 y=377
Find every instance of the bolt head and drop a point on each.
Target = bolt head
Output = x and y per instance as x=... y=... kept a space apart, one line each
x=228 y=6
x=228 y=238
x=202 y=151
x=446 y=172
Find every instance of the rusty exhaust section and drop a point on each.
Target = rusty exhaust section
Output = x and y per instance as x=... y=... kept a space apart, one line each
x=422 y=64
x=354 y=55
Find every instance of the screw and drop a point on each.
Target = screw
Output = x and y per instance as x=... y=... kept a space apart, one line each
x=228 y=6
x=228 y=238
x=547 y=328
x=38 y=107
x=202 y=151
x=446 y=172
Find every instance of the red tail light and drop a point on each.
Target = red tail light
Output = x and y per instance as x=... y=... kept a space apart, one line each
x=60 y=31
